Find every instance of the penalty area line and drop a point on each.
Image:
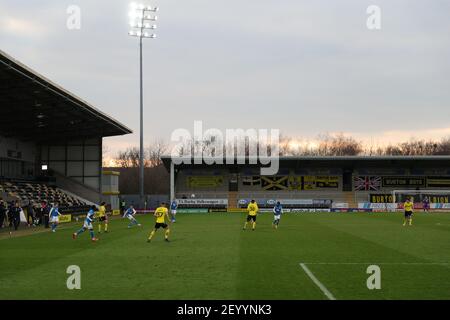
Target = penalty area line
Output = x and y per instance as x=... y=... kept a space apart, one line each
x=316 y=281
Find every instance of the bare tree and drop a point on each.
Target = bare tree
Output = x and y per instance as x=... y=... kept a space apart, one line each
x=154 y=153
x=418 y=147
x=444 y=147
x=340 y=145
x=128 y=158
x=105 y=155
x=326 y=145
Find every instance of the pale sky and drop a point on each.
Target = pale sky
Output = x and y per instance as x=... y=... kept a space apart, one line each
x=304 y=67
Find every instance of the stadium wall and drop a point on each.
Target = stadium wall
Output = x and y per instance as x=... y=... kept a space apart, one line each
x=17 y=158
x=79 y=160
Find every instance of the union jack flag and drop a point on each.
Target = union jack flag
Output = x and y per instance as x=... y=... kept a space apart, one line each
x=366 y=183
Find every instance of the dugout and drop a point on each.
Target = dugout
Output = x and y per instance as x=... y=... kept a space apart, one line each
x=49 y=134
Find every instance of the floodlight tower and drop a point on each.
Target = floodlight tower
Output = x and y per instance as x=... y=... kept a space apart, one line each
x=140 y=23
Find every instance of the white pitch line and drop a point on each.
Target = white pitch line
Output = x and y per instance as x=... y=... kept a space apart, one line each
x=327 y=293
x=380 y=263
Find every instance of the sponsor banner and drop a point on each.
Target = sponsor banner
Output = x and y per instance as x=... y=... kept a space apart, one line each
x=300 y=210
x=438 y=182
x=270 y=210
x=116 y=212
x=272 y=202
x=265 y=210
x=399 y=182
x=377 y=206
x=322 y=202
x=359 y=210
x=202 y=202
x=243 y=202
x=78 y=217
x=340 y=205
x=218 y=210
x=144 y=211
x=204 y=181
x=294 y=201
x=419 y=206
x=79 y=214
x=436 y=198
x=65 y=218
x=440 y=206
x=288 y=202
x=401 y=197
x=200 y=210
x=351 y=210
x=339 y=210
x=240 y=210
x=416 y=206
x=381 y=198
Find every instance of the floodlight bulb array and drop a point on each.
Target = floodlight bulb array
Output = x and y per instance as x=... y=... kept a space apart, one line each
x=139 y=19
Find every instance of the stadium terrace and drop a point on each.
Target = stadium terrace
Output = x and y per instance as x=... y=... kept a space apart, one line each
x=57 y=155
x=341 y=183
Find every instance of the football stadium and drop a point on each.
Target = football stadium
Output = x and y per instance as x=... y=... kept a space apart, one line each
x=341 y=235
x=323 y=227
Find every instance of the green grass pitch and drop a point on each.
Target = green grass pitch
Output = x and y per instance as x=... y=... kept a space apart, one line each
x=211 y=257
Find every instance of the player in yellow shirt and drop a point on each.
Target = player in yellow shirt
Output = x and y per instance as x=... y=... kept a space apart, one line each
x=102 y=217
x=408 y=206
x=161 y=213
x=252 y=210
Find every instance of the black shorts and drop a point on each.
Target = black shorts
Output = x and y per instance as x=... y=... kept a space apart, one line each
x=161 y=225
x=101 y=219
x=250 y=218
x=408 y=214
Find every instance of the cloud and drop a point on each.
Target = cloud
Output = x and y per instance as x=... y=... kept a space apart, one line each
x=22 y=28
x=305 y=67
x=389 y=137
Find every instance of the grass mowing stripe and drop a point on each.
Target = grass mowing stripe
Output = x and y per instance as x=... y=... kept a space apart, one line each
x=211 y=257
x=325 y=291
x=393 y=236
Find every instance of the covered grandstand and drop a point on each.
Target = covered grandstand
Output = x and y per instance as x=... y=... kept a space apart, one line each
x=333 y=183
x=50 y=140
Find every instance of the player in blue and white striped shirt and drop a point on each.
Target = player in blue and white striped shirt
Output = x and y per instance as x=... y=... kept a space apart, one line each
x=129 y=214
x=173 y=210
x=87 y=225
x=54 y=216
x=277 y=211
